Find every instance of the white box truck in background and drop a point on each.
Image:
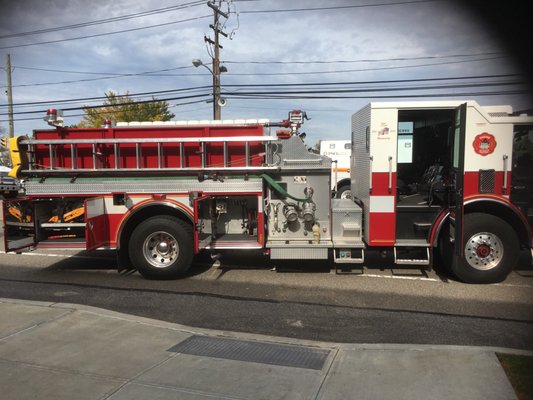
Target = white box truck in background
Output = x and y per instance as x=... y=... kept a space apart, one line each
x=339 y=151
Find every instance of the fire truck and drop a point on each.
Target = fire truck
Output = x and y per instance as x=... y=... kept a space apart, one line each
x=447 y=182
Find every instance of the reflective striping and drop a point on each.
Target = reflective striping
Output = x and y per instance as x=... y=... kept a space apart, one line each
x=381 y=204
x=258 y=352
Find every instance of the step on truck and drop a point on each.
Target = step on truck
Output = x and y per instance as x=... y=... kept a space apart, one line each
x=446 y=182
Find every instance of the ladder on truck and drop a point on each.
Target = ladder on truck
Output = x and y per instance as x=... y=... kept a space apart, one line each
x=127 y=155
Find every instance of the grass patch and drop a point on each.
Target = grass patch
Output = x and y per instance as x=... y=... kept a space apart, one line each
x=519 y=370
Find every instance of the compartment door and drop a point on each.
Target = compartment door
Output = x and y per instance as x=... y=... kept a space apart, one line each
x=19 y=224
x=96 y=223
x=203 y=229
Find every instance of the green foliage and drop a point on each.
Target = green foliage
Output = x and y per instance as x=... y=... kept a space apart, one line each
x=519 y=369
x=125 y=109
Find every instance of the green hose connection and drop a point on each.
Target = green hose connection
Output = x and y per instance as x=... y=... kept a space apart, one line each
x=278 y=188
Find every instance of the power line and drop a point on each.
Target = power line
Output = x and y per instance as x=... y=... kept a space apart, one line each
x=270 y=62
x=192 y=96
x=321 y=97
x=87 y=72
x=360 y=69
x=106 y=34
x=104 y=112
x=346 y=70
x=365 y=90
x=337 y=7
x=114 y=76
x=105 y=21
x=389 y=81
x=406 y=96
x=365 y=60
x=266 y=85
x=83 y=99
x=156 y=74
x=303 y=94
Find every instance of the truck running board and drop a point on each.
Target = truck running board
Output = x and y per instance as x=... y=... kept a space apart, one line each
x=349 y=256
x=346 y=259
x=413 y=261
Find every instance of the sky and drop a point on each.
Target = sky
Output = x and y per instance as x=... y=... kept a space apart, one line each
x=329 y=58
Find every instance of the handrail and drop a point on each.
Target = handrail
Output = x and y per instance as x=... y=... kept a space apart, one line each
x=152 y=140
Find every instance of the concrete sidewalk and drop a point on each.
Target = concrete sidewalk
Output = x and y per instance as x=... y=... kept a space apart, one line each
x=66 y=351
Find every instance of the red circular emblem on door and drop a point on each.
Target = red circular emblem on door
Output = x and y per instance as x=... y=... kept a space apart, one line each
x=484 y=144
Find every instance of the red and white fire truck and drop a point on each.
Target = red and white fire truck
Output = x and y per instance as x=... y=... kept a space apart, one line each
x=448 y=181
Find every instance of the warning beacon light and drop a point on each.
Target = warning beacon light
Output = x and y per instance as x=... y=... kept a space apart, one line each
x=54 y=117
x=297 y=116
x=296 y=119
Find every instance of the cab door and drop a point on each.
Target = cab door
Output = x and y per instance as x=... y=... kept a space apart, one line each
x=19 y=224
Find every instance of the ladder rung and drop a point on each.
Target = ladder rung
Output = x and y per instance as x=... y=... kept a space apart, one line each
x=159 y=156
x=225 y=154
x=116 y=154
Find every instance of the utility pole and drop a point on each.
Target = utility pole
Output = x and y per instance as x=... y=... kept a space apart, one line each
x=9 y=92
x=217 y=100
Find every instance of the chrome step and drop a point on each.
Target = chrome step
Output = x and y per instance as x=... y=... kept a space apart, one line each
x=410 y=261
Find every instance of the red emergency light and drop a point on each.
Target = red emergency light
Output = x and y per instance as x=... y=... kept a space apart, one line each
x=54 y=117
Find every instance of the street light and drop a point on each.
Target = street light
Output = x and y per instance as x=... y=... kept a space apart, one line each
x=196 y=62
x=218 y=101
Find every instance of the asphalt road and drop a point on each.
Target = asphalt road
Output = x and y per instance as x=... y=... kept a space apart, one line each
x=298 y=300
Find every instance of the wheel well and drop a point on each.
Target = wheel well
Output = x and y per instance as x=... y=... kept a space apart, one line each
x=504 y=212
x=343 y=182
x=140 y=215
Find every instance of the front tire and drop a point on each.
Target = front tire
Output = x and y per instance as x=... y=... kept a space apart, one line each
x=491 y=250
x=161 y=247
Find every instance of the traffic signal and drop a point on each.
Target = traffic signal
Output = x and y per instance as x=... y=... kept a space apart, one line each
x=18 y=155
x=4 y=142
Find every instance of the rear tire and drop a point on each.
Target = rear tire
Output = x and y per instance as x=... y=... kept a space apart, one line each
x=161 y=247
x=491 y=250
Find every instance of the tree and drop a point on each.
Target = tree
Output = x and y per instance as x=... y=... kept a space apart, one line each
x=123 y=108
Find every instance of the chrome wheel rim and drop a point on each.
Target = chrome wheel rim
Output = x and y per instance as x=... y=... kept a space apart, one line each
x=160 y=249
x=347 y=194
x=483 y=251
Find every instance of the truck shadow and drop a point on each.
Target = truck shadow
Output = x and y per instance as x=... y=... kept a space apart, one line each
x=106 y=261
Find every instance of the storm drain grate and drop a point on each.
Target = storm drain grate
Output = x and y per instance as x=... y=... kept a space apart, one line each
x=263 y=353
